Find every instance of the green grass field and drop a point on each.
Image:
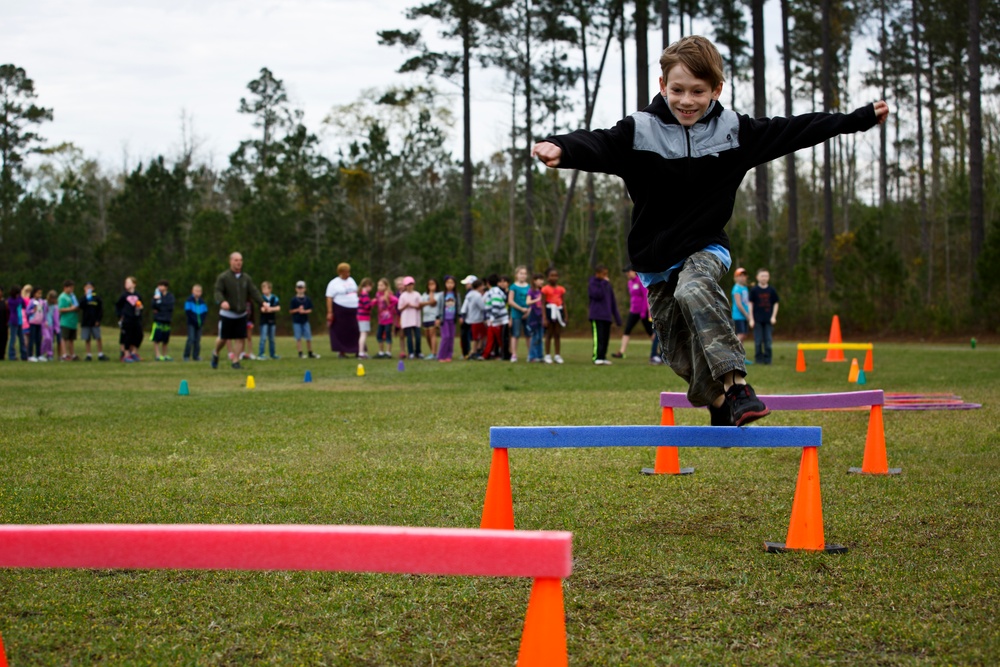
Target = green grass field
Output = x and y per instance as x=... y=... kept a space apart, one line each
x=667 y=570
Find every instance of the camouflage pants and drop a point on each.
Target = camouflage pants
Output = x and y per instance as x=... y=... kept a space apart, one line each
x=690 y=313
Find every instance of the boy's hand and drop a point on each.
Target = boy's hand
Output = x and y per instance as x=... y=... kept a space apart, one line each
x=881 y=111
x=774 y=320
x=547 y=152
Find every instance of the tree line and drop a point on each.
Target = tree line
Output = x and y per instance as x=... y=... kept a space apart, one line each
x=896 y=230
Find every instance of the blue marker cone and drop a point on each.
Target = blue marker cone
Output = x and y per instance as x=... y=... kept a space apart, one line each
x=861 y=377
x=184 y=391
x=401 y=366
x=308 y=377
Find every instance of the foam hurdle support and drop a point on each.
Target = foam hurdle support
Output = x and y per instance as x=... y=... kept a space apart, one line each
x=875 y=462
x=545 y=556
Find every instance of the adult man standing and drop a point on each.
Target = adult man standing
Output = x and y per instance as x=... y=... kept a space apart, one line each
x=233 y=288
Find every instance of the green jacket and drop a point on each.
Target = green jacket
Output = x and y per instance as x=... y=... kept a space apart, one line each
x=236 y=290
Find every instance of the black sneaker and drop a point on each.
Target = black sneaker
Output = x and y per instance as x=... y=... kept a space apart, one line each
x=236 y=366
x=617 y=355
x=722 y=415
x=215 y=361
x=745 y=405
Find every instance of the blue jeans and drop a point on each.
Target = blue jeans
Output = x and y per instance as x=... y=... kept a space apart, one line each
x=412 y=340
x=266 y=334
x=35 y=340
x=535 y=350
x=762 y=341
x=192 y=348
x=18 y=333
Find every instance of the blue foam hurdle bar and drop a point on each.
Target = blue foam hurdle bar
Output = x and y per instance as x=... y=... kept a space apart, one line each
x=546 y=437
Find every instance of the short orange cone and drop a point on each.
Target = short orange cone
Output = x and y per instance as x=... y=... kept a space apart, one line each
x=835 y=339
x=805 y=530
x=668 y=460
x=869 y=364
x=543 y=640
x=3 y=654
x=800 y=362
x=875 y=461
x=852 y=375
x=498 y=508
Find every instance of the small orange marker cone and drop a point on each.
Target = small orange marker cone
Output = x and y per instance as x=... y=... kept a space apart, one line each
x=3 y=654
x=543 y=640
x=852 y=376
x=835 y=338
x=498 y=508
x=875 y=461
x=800 y=362
x=805 y=530
x=668 y=460
x=869 y=364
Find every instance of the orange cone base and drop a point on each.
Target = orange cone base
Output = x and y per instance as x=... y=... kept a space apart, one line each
x=543 y=640
x=683 y=471
x=668 y=460
x=780 y=548
x=890 y=471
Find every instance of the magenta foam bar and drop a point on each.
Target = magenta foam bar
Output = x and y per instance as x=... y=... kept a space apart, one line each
x=536 y=437
x=850 y=399
x=440 y=551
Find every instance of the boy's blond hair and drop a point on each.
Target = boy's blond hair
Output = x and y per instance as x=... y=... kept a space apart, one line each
x=698 y=55
x=267 y=283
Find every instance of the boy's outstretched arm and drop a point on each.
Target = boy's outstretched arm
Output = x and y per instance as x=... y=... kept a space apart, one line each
x=771 y=138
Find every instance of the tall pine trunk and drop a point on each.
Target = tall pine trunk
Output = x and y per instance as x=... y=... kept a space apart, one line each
x=529 y=171
x=925 y=231
x=760 y=110
x=467 y=236
x=791 y=183
x=641 y=54
x=665 y=21
x=826 y=75
x=977 y=228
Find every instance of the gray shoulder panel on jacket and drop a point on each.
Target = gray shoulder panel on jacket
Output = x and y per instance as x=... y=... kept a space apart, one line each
x=669 y=140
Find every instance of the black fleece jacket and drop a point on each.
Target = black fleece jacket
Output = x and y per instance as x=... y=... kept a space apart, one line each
x=683 y=181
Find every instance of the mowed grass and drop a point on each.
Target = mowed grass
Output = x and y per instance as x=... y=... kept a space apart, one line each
x=667 y=570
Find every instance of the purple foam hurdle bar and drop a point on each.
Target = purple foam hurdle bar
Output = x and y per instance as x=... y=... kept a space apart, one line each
x=850 y=399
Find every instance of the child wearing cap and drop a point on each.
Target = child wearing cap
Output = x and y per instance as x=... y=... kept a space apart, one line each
x=409 y=316
x=301 y=306
x=465 y=328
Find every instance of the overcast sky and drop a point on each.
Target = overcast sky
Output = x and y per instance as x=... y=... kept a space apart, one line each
x=119 y=73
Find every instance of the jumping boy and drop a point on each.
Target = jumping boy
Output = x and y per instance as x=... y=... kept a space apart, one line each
x=683 y=158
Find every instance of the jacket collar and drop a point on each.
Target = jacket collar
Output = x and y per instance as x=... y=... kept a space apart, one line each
x=658 y=107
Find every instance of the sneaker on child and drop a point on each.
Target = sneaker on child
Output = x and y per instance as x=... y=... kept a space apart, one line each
x=744 y=404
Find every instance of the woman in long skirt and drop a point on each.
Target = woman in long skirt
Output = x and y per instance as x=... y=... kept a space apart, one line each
x=342 y=312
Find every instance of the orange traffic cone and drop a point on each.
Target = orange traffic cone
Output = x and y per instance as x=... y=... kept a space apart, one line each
x=498 y=508
x=805 y=530
x=543 y=640
x=3 y=654
x=852 y=375
x=869 y=364
x=835 y=355
x=875 y=461
x=800 y=362
x=668 y=460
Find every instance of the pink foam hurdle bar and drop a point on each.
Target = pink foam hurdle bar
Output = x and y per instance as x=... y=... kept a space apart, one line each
x=440 y=551
x=850 y=399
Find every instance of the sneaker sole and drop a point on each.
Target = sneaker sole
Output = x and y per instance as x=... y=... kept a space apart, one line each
x=748 y=417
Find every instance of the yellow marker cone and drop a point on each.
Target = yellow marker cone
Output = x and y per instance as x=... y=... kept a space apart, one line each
x=853 y=375
x=250 y=383
x=361 y=370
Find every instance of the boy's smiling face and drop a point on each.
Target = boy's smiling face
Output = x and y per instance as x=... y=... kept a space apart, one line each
x=687 y=96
